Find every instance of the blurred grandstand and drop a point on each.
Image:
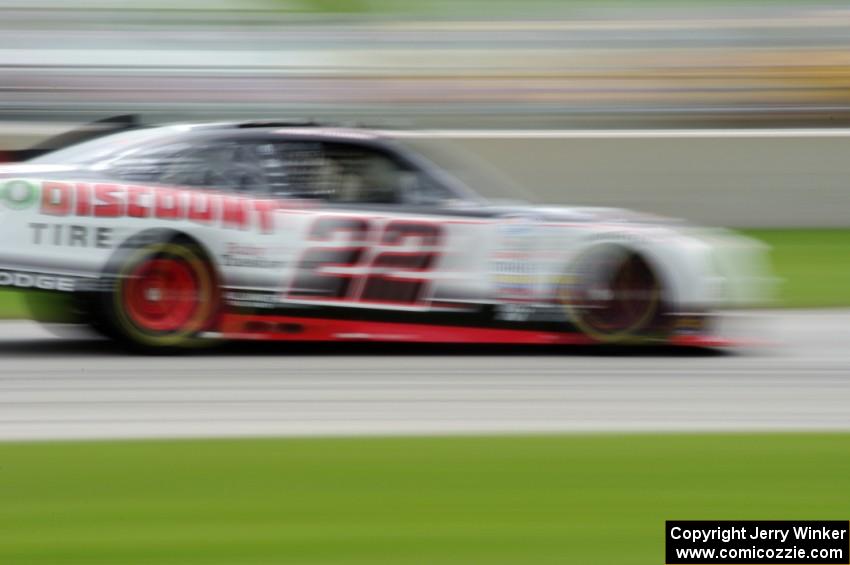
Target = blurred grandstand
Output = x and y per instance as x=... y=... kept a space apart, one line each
x=469 y=63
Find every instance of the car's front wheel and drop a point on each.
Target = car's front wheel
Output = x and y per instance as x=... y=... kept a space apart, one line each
x=614 y=295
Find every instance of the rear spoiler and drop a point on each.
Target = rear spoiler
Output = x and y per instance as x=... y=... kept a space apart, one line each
x=87 y=132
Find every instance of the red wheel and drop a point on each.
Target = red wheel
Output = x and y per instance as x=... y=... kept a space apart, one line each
x=161 y=295
x=164 y=296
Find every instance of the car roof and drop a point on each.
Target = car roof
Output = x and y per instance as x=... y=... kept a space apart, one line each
x=304 y=128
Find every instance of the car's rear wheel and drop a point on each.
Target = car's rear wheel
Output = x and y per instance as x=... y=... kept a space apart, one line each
x=613 y=295
x=160 y=295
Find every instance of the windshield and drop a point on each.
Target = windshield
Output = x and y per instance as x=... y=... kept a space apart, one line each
x=467 y=167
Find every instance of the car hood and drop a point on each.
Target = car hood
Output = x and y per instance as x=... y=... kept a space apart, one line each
x=593 y=214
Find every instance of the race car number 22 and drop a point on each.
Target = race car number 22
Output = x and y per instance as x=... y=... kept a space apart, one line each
x=369 y=266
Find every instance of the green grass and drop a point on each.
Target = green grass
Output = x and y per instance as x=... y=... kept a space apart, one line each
x=11 y=305
x=555 y=499
x=814 y=266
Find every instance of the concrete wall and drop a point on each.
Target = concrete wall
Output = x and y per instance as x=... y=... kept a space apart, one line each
x=736 y=178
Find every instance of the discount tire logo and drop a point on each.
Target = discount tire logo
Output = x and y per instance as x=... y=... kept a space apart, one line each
x=112 y=200
x=19 y=194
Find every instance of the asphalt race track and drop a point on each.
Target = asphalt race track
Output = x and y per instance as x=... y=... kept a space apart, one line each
x=80 y=387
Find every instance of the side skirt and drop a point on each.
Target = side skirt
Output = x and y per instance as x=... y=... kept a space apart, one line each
x=292 y=328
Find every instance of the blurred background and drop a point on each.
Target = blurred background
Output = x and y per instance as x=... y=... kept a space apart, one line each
x=464 y=63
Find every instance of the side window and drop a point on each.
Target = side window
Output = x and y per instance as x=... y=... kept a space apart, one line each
x=224 y=165
x=221 y=165
x=146 y=164
x=336 y=172
x=367 y=175
x=364 y=175
x=296 y=169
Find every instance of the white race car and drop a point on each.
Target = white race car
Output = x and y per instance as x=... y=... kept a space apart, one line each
x=164 y=237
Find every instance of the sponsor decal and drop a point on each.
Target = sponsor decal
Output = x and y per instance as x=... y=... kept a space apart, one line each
x=238 y=255
x=70 y=235
x=19 y=194
x=41 y=282
x=641 y=235
x=690 y=324
x=112 y=200
x=513 y=267
x=513 y=312
x=241 y=299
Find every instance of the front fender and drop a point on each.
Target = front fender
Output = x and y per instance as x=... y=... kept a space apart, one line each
x=699 y=268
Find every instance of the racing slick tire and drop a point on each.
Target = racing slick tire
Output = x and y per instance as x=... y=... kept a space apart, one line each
x=159 y=294
x=614 y=295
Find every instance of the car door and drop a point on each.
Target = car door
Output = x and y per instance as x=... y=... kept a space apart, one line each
x=385 y=238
